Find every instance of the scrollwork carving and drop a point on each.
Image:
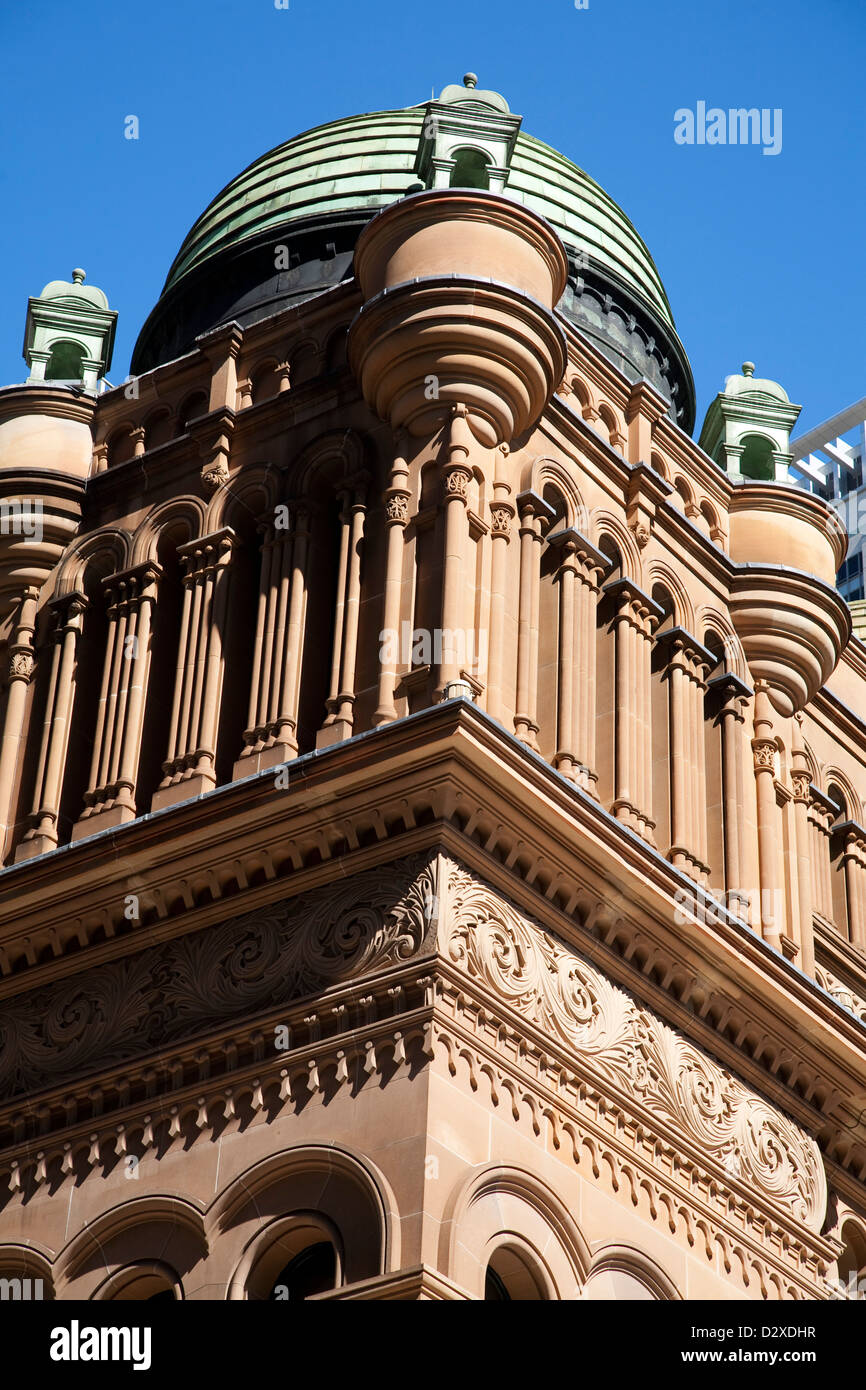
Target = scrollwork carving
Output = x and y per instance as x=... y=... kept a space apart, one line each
x=550 y=984
x=125 y=1008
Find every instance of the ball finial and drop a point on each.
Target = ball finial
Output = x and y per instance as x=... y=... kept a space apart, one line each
x=78 y=276
x=748 y=369
x=470 y=79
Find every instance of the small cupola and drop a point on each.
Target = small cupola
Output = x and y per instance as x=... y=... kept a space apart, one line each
x=747 y=428
x=467 y=139
x=69 y=334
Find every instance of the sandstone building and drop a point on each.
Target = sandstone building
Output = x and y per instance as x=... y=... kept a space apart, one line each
x=432 y=785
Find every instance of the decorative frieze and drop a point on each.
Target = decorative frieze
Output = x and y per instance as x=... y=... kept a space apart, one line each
x=608 y=1033
x=124 y=1009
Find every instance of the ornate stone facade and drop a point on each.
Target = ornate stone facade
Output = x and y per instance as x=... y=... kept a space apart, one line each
x=420 y=765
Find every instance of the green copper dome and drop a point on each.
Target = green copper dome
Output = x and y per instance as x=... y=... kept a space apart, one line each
x=368 y=161
x=285 y=229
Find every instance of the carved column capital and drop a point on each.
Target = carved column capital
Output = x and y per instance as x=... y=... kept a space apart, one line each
x=457 y=482
x=397 y=508
x=501 y=514
x=764 y=753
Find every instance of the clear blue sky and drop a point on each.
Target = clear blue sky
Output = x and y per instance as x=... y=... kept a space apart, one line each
x=762 y=256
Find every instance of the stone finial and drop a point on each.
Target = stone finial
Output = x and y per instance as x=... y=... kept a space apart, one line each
x=748 y=369
x=470 y=79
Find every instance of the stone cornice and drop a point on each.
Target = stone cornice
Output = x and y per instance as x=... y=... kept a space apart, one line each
x=67 y=403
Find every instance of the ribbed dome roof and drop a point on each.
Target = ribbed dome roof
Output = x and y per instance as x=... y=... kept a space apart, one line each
x=366 y=162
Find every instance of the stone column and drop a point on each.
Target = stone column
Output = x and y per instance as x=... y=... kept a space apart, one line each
x=110 y=798
x=341 y=699
x=734 y=697
x=271 y=734
x=580 y=566
x=42 y=835
x=765 y=751
x=591 y=567
x=454 y=610
x=396 y=499
x=822 y=814
x=565 y=758
x=18 y=677
x=189 y=768
x=636 y=618
x=687 y=668
x=854 y=861
x=501 y=514
x=535 y=517
x=801 y=780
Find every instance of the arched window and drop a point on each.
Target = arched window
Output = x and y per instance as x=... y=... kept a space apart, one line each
x=550 y=635
x=303 y=1257
x=605 y=681
x=195 y=404
x=158 y=429
x=852 y=1262
x=312 y=1271
x=147 y=1281
x=164 y=644
x=265 y=382
x=65 y=363
x=757 y=459
x=660 y=713
x=471 y=170
x=121 y=445
x=238 y=641
x=510 y=1277
x=89 y=664
x=837 y=860
x=715 y=772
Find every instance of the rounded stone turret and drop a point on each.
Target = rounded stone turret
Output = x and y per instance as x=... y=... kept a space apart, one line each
x=792 y=622
x=459 y=287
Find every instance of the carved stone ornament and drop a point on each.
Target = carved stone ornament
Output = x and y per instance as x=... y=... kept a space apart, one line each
x=765 y=754
x=215 y=475
x=548 y=983
x=456 y=482
x=397 y=508
x=500 y=520
x=21 y=665
x=841 y=992
x=124 y=1009
x=800 y=782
